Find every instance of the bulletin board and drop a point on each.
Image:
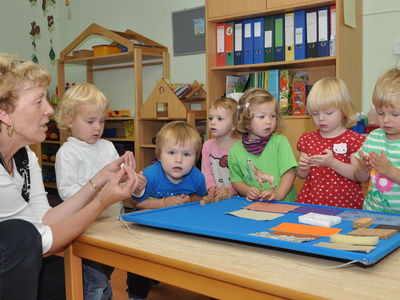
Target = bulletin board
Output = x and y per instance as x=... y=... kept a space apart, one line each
x=188 y=30
x=212 y=220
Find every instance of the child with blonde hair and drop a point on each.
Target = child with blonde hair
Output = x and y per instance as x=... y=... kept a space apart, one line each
x=379 y=157
x=82 y=111
x=214 y=158
x=173 y=180
x=263 y=165
x=327 y=155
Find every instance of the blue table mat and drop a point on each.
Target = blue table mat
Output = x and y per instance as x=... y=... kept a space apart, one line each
x=212 y=220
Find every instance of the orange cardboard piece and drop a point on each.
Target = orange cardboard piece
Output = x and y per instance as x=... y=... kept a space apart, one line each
x=272 y=207
x=306 y=229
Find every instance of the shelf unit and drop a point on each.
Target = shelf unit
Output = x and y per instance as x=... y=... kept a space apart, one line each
x=161 y=107
x=140 y=52
x=346 y=64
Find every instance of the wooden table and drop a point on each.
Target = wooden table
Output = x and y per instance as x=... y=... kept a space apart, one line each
x=224 y=269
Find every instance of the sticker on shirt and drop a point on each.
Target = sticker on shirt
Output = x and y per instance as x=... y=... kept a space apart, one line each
x=383 y=184
x=261 y=176
x=340 y=148
x=220 y=170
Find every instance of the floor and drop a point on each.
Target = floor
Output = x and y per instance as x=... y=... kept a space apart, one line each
x=160 y=292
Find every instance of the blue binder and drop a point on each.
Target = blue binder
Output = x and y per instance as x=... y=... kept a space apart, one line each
x=238 y=43
x=300 y=37
x=258 y=34
x=273 y=83
x=248 y=42
x=323 y=31
x=279 y=27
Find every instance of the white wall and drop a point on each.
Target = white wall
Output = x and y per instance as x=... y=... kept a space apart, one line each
x=381 y=24
x=15 y=25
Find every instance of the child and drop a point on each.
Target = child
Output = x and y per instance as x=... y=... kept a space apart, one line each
x=82 y=111
x=214 y=159
x=262 y=165
x=173 y=180
x=327 y=155
x=379 y=155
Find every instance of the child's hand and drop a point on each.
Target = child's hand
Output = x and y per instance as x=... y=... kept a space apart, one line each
x=323 y=160
x=380 y=163
x=252 y=194
x=364 y=161
x=304 y=161
x=176 y=200
x=212 y=191
x=142 y=181
x=267 y=195
x=221 y=191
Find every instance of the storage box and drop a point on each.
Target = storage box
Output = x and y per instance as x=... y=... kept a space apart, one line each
x=101 y=50
x=82 y=53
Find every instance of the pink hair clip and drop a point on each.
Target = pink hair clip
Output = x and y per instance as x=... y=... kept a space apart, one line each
x=247 y=105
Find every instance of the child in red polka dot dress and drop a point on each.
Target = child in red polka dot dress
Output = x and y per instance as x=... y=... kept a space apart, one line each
x=327 y=156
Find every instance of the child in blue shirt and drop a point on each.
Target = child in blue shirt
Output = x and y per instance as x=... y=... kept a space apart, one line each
x=173 y=180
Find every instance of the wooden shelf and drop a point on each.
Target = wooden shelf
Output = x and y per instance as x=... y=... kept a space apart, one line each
x=51 y=142
x=120 y=139
x=51 y=185
x=48 y=163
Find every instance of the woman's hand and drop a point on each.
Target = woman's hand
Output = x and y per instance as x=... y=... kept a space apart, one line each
x=107 y=172
x=115 y=190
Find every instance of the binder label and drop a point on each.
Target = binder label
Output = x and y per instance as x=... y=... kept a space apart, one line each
x=220 y=39
x=312 y=27
x=257 y=29
x=238 y=37
x=268 y=39
x=247 y=30
x=299 y=35
x=323 y=28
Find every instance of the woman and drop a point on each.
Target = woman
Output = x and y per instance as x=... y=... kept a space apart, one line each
x=29 y=227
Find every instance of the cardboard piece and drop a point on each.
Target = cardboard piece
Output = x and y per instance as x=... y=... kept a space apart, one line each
x=306 y=229
x=271 y=207
x=255 y=215
x=381 y=233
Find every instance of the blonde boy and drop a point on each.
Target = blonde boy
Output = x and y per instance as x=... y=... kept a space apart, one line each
x=174 y=179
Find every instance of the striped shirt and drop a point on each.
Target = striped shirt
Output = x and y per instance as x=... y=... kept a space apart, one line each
x=383 y=193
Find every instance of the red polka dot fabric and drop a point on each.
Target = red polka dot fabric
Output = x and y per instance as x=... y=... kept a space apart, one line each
x=323 y=185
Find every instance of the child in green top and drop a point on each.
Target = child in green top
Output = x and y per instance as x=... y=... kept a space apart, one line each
x=379 y=157
x=262 y=166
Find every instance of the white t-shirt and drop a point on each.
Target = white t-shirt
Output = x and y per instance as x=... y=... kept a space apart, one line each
x=77 y=162
x=13 y=205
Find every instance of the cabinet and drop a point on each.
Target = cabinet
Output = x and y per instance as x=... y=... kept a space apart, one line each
x=346 y=64
x=163 y=106
x=139 y=52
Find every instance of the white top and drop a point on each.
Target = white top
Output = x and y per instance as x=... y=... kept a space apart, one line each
x=13 y=205
x=77 y=162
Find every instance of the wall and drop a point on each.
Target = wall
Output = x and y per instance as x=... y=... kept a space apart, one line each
x=151 y=18
x=15 y=20
x=381 y=23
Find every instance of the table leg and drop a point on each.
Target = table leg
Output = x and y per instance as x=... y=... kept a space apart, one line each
x=73 y=275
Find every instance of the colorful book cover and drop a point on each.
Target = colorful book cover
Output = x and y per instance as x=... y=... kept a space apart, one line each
x=285 y=79
x=298 y=97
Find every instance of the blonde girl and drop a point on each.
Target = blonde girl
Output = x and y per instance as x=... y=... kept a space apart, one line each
x=263 y=165
x=380 y=156
x=214 y=162
x=327 y=155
